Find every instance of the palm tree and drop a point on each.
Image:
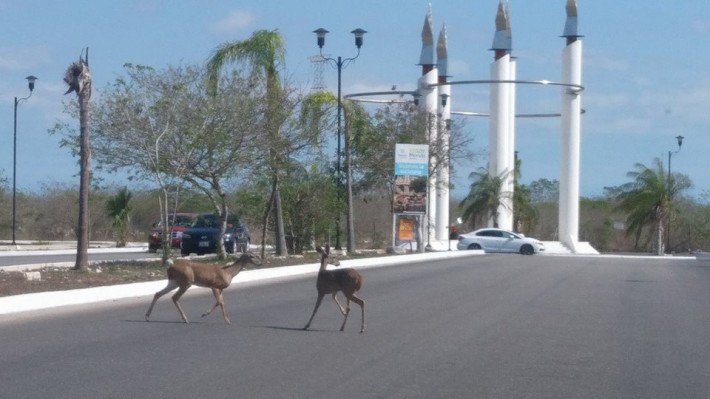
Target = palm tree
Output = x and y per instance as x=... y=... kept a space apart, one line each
x=78 y=78
x=263 y=51
x=482 y=202
x=525 y=216
x=647 y=200
x=119 y=210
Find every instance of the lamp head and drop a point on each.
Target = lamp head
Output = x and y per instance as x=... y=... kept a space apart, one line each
x=444 y=99
x=680 y=140
x=320 y=34
x=31 y=82
x=359 y=33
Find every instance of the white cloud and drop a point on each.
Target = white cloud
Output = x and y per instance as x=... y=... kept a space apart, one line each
x=234 y=22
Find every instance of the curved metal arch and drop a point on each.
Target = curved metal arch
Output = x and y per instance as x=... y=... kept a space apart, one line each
x=573 y=89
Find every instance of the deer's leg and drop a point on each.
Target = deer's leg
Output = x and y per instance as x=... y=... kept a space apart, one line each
x=335 y=298
x=171 y=286
x=360 y=302
x=176 y=299
x=216 y=293
x=318 y=301
x=346 y=313
x=220 y=301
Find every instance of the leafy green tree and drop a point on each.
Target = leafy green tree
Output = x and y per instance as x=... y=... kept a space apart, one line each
x=263 y=51
x=647 y=201
x=544 y=190
x=484 y=198
x=318 y=111
x=525 y=215
x=119 y=210
x=162 y=126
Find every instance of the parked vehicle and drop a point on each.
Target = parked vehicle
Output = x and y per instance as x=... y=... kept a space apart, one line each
x=179 y=222
x=498 y=240
x=203 y=236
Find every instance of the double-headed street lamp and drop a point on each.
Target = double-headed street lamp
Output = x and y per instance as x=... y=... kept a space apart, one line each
x=670 y=194
x=31 y=83
x=341 y=63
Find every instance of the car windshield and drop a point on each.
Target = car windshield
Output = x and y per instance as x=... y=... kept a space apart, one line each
x=211 y=220
x=183 y=220
x=207 y=220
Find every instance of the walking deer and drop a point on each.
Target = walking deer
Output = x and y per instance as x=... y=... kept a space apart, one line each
x=185 y=273
x=349 y=281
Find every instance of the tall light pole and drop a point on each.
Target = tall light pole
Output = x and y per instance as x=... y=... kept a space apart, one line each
x=670 y=194
x=341 y=63
x=31 y=83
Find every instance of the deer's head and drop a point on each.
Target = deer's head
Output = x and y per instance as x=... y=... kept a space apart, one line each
x=326 y=257
x=248 y=257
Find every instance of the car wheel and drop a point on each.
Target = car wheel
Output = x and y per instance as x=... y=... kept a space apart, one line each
x=184 y=253
x=474 y=246
x=245 y=246
x=231 y=247
x=527 y=249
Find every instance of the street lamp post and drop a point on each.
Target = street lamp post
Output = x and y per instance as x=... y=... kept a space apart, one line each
x=31 y=84
x=341 y=63
x=670 y=194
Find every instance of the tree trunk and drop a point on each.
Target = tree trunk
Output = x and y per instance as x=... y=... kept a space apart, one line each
x=82 y=249
x=278 y=217
x=660 y=246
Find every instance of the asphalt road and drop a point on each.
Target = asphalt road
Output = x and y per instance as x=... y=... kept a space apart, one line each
x=488 y=326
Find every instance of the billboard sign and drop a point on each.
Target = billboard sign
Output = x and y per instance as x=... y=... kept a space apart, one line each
x=411 y=167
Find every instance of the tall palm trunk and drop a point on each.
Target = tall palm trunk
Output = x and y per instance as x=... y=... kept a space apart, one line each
x=279 y=220
x=82 y=253
x=78 y=78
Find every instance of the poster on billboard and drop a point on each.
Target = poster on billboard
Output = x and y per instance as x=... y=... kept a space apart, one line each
x=411 y=166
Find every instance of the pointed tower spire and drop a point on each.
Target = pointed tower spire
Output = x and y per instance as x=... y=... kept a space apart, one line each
x=442 y=57
x=503 y=39
x=426 y=59
x=570 y=31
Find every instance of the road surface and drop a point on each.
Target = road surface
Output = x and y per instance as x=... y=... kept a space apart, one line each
x=492 y=326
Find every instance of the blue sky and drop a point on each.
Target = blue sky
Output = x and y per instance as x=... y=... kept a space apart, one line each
x=645 y=69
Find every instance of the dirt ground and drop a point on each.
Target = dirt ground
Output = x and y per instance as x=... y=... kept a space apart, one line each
x=60 y=279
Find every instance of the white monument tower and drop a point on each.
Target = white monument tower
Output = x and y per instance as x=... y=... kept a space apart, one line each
x=444 y=114
x=570 y=128
x=428 y=91
x=501 y=152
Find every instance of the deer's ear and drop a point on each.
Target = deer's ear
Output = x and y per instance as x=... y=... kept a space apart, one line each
x=319 y=249
x=327 y=249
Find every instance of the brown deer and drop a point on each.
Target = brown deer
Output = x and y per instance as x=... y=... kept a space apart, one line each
x=349 y=281
x=185 y=273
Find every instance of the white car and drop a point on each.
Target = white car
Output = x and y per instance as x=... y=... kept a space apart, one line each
x=498 y=240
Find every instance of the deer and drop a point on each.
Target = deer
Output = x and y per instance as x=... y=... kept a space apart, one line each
x=348 y=281
x=184 y=273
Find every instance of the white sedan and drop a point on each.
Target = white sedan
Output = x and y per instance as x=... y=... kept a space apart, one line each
x=498 y=240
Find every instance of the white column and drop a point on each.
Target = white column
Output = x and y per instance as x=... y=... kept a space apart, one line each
x=442 y=188
x=570 y=145
x=428 y=102
x=509 y=182
x=499 y=130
